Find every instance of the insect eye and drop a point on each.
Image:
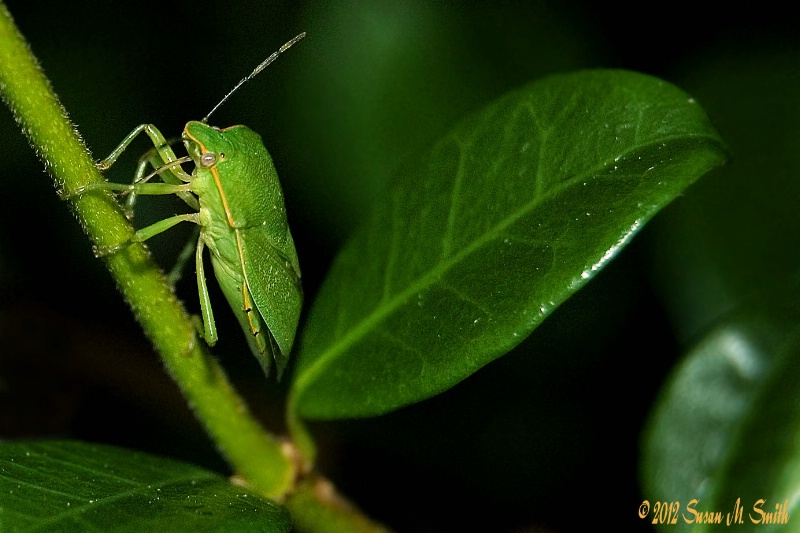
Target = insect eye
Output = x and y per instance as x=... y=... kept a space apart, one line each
x=208 y=159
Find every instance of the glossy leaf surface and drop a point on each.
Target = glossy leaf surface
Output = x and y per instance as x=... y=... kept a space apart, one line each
x=511 y=213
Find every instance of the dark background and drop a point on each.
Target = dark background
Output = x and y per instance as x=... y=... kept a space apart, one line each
x=547 y=436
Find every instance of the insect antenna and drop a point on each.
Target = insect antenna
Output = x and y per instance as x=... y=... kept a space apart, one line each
x=255 y=72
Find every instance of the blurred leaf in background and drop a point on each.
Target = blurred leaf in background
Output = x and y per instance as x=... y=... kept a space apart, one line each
x=384 y=81
x=728 y=262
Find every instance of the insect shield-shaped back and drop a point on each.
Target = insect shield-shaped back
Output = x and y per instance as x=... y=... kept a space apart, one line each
x=244 y=225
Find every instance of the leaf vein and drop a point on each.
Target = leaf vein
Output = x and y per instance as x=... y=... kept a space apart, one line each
x=447 y=240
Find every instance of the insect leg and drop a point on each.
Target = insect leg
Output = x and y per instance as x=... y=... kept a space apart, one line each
x=162 y=147
x=177 y=270
x=138 y=188
x=152 y=162
x=149 y=231
x=257 y=329
x=209 y=326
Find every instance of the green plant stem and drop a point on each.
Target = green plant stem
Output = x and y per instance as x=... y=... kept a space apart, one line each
x=317 y=507
x=254 y=454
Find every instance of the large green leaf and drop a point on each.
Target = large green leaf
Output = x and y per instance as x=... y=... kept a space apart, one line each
x=726 y=427
x=75 y=486
x=512 y=212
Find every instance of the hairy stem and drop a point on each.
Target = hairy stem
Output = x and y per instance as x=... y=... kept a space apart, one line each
x=254 y=454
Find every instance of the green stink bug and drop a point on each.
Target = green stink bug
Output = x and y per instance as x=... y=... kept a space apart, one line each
x=242 y=220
